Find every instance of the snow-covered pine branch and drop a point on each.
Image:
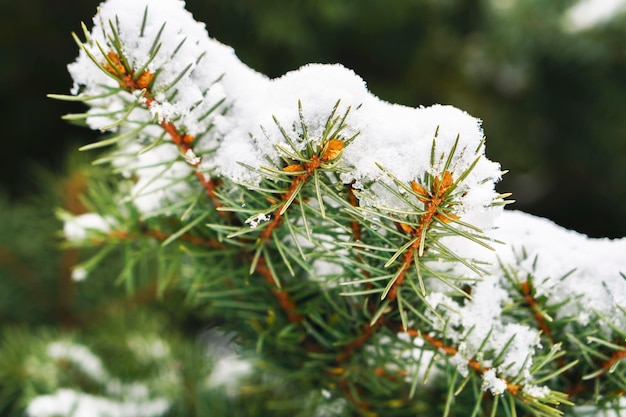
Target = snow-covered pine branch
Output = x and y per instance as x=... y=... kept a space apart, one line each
x=380 y=218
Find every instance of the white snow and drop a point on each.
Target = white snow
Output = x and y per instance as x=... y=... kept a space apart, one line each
x=594 y=286
x=119 y=398
x=79 y=274
x=77 y=228
x=79 y=355
x=254 y=221
x=583 y=273
x=67 y=402
x=395 y=137
x=213 y=73
x=227 y=372
x=492 y=383
x=586 y=14
x=596 y=411
x=593 y=292
x=536 y=391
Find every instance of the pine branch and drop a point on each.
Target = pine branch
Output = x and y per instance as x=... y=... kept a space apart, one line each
x=344 y=266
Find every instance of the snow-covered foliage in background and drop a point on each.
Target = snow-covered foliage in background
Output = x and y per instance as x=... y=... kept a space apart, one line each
x=67 y=402
x=586 y=14
x=118 y=398
x=110 y=396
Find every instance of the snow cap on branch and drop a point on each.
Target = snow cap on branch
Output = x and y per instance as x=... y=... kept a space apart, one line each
x=192 y=73
x=184 y=108
x=582 y=273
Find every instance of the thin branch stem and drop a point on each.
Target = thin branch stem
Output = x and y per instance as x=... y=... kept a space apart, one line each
x=130 y=81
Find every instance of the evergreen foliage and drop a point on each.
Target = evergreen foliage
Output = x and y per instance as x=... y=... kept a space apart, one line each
x=346 y=290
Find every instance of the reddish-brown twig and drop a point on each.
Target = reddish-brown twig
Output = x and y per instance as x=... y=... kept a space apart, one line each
x=128 y=80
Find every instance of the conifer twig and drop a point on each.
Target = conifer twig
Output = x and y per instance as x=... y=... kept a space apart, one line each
x=130 y=81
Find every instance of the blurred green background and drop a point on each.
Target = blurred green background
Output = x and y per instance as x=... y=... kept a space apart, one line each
x=552 y=99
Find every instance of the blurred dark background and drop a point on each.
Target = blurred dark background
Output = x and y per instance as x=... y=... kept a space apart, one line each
x=553 y=99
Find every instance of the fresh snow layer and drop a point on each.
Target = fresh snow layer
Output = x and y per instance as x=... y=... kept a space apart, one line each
x=567 y=267
x=592 y=268
x=394 y=142
x=204 y=72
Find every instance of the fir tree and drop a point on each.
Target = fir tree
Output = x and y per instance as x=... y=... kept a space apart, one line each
x=355 y=253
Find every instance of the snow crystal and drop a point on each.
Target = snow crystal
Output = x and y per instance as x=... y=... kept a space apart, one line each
x=80 y=356
x=318 y=87
x=227 y=372
x=77 y=228
x=79 y=274
x=492 y=383
x=400 y=140
x=483 y=313
x=460 y=363
x=254 y=221
x=69 y=402
x=191 y=158
x=183 y=45
x=158 y=173
x=535 y=391
x=163 y=112
x=525 y=341
x=448 y=309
